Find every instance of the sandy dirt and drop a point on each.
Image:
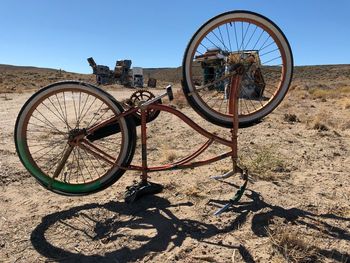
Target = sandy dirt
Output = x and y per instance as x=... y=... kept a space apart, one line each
x=297 y=205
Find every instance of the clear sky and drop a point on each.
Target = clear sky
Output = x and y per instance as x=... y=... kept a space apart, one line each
x=154 y=33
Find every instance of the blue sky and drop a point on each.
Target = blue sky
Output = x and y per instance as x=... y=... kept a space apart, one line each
x=154 y=33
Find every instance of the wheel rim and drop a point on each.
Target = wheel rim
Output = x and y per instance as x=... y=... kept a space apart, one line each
x=48 y=125
x=242 y=34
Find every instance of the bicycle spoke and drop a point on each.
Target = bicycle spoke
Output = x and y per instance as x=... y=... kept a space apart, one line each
x=88 y=109
x=269 y=52
x=79 y=168
x=86 y=167
x=270 y=60
x=60 y=117
x=47 y=122
x=64 y=116
x=94 y=116
x=234 y=25
x=75 y=111
x=245 y=34
x=256 y=27
x=262 y=48
x=265 y=42
x=81 y=113
x=43 y=148
x=228 y=37
x=221 y=41
x=262 y=32
x=58 y=157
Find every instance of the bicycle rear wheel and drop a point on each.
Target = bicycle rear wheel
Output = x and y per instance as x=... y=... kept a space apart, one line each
x=45 y=133
x=237 y=37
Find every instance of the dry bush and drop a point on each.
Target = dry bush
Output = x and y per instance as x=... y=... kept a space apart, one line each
x=293 y=246
x=320 y=126
x=169 y=155
x=319 y=123
x=180 y=100
x=291 y=118
x=266 y=164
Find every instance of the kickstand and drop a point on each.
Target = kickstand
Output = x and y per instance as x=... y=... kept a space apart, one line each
x=139 y=189
x=236 y=197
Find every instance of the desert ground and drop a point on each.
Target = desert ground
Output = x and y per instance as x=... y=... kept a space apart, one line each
x=296 y=207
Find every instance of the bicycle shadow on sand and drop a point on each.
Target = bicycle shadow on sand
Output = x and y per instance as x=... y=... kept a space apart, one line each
x=124 y=233
x=264 y=214
x=142 y=228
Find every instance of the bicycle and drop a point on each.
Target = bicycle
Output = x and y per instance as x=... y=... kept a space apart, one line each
x=76 y=139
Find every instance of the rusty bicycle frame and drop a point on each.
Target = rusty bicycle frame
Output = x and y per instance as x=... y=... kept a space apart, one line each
x=235 y=79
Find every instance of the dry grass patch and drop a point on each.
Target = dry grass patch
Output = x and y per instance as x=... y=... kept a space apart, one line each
x=327 y=92
x=169 y=155
x=345 y=103
x=267 y=164
x=292 y=245
x=320 y=123
x=180 y=100
x=291 y=118
x=194 y=192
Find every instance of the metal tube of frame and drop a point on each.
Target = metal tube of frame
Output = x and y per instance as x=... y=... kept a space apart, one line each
x=151 y=101
x=233 y=109
x=144 y=144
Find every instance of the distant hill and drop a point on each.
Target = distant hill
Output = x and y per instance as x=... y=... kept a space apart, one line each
x=19 y=78
x=164 y=74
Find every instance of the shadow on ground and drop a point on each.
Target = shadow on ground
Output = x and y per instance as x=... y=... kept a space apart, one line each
x=264 y=214
x=150 y=227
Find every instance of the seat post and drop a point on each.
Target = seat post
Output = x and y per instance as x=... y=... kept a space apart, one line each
x=233 y=109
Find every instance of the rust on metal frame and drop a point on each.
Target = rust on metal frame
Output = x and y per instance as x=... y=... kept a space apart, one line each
x=185 y=162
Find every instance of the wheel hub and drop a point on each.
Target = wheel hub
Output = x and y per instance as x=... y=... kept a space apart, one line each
x=75 y=135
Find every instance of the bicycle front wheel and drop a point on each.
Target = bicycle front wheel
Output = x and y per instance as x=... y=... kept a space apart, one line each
x=237 y=37
x=52 y=141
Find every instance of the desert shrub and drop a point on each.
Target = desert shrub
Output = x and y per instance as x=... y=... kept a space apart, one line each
x=291 y=118
x=320 y=123
x=292 y=246
x=180 y=100
x=266 y=164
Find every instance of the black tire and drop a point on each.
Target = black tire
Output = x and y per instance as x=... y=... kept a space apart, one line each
x=45 y=124
x=219 y=31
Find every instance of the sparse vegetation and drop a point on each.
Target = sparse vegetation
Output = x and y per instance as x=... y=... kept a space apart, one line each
x=345 y=103
x=291 y=118
x=171 y=156
x=180 y=100
x=320 y=123
x=19 y=79
x=303 y=183
x=327 y=92
x=266 y=164
x=292 y=246
x=320 y=126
